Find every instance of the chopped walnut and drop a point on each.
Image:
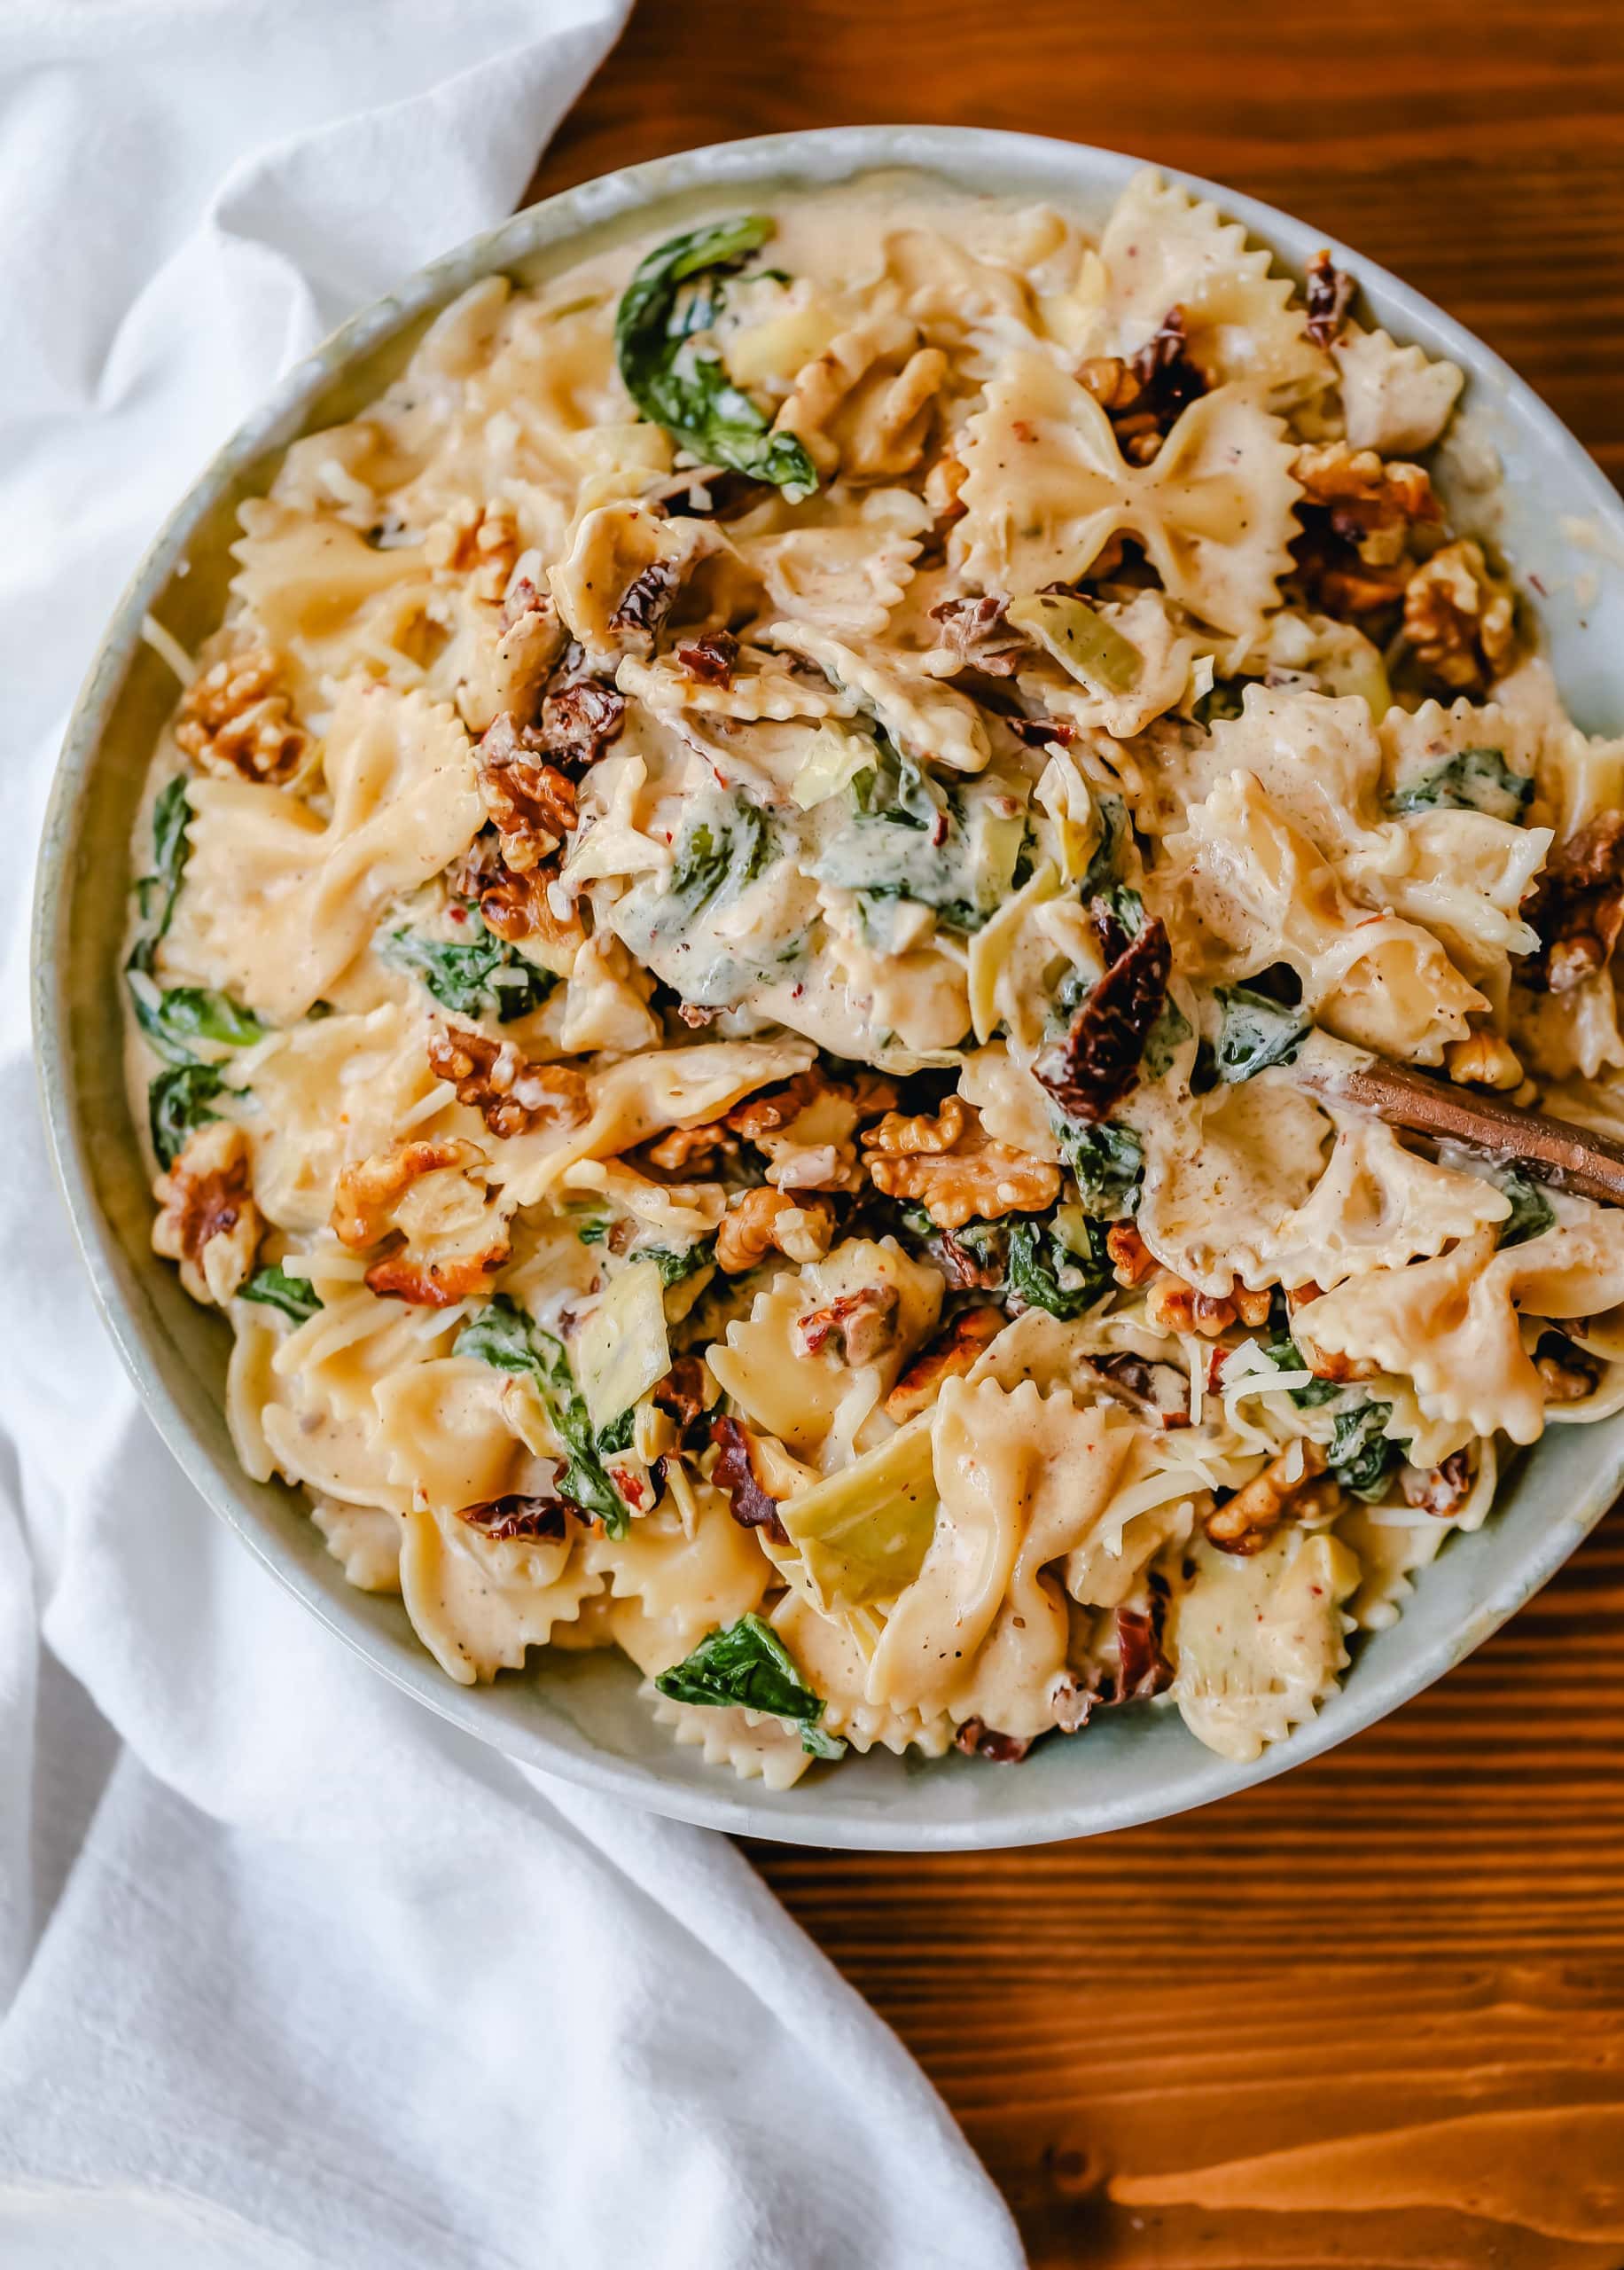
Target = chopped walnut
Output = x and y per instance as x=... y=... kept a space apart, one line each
x=369 y=1190
x=976 y=634
x=1483 y=1060
x=699 y=1148
x=764 y=1219
x=1440 y=1490
x=685 y=1393
x=942 y=484
x=1172 y=1306
x=1132 y=1260
x=516 y=906
x=1370 y=502
x=1460 y=622
x=861 y=1325
x=976 y=1739
x=949 y=1355
x=948 y=1166
x=234 y=720
x=209 y=1223
x=1577 y=907
x=531 y=801
x=1145 y=396
x=1567 y=1373
x=1249 y=1519
x=439 y=1283
x=511 y=1094
x=1330 y=294
x=484 y=542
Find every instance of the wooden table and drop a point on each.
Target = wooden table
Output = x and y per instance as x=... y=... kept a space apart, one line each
x=1373 y=2013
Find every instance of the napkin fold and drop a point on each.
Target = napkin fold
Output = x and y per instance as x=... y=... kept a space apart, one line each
x=291 y=1971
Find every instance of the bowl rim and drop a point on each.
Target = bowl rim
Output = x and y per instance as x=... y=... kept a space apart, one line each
x=804 y=160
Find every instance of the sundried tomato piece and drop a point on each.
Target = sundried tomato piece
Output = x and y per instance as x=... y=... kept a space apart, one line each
x=752 y=1506
x=517 y=1516
x=1089 y=1072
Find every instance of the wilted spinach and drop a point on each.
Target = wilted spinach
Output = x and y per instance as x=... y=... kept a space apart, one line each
x=1474 y=780
x=1044 y=1273
x=480 y=977
x=747 y=1666
x=1107 y=1162
x=295 y=1297
x=177 y=1101
x=507 y=1337
x=722 y=855
x=171 y=849
x=1361 y=1457
x=1531 y=1212
x=1256 y=1032
x=677 y=295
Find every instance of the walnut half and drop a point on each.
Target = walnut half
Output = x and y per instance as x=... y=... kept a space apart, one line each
x=209 y=1223
x=948 y=1166
x=234 y=719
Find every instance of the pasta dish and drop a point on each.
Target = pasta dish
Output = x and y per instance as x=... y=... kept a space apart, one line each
x=746 y=939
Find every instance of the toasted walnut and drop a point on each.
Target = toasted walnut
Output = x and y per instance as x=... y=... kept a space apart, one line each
x=930 y=1132
x=949 y=1355
x=1132 y=1260
x=1371 y=503
x=1330 y=294
x=774 y=1107
x=861 y=1326
x=977 y=635
x=480 y=542
x=369 y=1190
x=209 y=1223
x=531 y=801
x=1568 y=1375
x=942 y=484
x=1440 y=1490
x=1143 y=396
x=1172 y=1306
x=699 y=1148
x=976 y=1739
x=1577 y=907
x=1247 y=1521
x=1460 y=622
x=1483 y=1060
x=233 y=719
x=511 y=1094
x=1159 y=1391
x=435 y=1284
x=516 y=906
x=945 y=1163
x=762 y=1220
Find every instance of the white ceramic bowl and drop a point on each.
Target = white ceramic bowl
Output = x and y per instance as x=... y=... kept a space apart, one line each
x=580 y=1715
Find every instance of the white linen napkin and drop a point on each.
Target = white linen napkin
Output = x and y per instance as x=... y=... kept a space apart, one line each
x=291 y=1972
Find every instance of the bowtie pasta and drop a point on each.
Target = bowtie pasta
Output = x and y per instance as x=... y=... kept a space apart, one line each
x=743 y=931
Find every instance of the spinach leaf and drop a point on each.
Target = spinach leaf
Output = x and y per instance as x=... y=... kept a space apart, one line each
x=1255 y=1033
x=684 y=386
x=1361 y=1456
x=177 y=1101
x=1532 y=1211
x=507 y=1337
x=724 y=856
x=1045 y=1274
x=617 y=1435
x=674 y=1262
x=593 y=1231
x=955 y=850
x=1107 y=1160
x=747 y=1666
x=1473 y=780
x=1102 y=868
x=1286 y=1356
x=171 y=849
x=295 y=1297
x=482 y=976
x=186 y=1013
x=1163 y=1041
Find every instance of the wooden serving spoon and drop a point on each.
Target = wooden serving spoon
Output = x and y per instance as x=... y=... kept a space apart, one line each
x=1551 y=1150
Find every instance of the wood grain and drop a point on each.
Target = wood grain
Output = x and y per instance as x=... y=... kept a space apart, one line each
x=1373 y=2013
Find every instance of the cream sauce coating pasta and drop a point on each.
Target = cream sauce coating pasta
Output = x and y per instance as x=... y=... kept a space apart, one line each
x=731 y=930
